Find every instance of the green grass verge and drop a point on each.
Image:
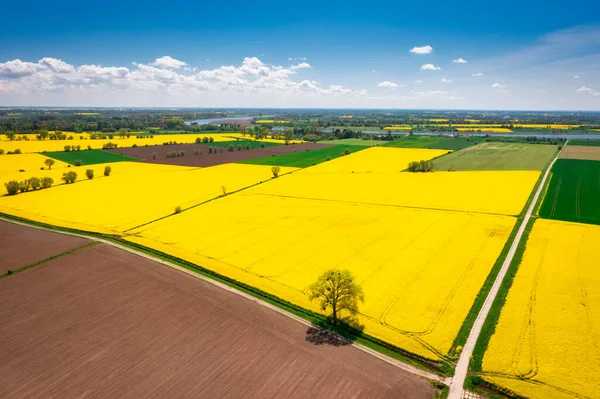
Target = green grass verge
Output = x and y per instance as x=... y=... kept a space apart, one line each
x=440 y=367
x=306 y=158
x=573 y=194
x=88 y=157
x=40 y=262
x=499 y=156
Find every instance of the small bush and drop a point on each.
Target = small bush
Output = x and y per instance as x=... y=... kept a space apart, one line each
x=35 y=183
x=78 y=162
x=204 y=139
x=247 y=146
x=230 y=147
x=47 y=182
x=275 y=170
x=107 y=170
x=78 y=148
x=559 y=147
x=12 y=187
x=262 y=145
x=224 y=190
x=24 y=186
x=67 y=148
x=346 y=151
x=210 y=150
x=328 y=158
x=21 y=170
x=69 y=177
x=153 y=155
x=89 y=147
x=89 y=174
x=1 y=151
x=210 y=139
x=17 y=151
x=134 y=145
x=177 y=209
x=9 y=272
x=221 y=149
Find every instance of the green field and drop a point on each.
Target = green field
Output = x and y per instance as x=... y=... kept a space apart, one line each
x=498 y=156
x=305 y=158
x=592 y=143
x=88 y=157
x=435 y=142
x=367 y=143
x=573 y=194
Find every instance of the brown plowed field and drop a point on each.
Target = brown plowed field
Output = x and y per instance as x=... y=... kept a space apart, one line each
x=145 y=153
x=22 y=246
x=581 y=152
x=105 y=323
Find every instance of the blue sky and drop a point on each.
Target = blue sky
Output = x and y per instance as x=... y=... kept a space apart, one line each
x=519 y=54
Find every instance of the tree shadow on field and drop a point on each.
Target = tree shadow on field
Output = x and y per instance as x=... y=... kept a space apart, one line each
x=324 y=333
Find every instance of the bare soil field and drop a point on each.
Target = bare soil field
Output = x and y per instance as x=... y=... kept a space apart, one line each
x=105 y=323
x=144 y=154
x=22 y=246
x=581 y=152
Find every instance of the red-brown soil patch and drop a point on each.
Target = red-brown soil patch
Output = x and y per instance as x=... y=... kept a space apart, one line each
x=144 y=154
x=105 y=323
x=22 y=246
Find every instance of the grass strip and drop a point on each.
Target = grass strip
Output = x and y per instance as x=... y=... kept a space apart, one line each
x=22 y=269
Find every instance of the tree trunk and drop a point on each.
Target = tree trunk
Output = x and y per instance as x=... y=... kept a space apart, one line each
x=334 y=316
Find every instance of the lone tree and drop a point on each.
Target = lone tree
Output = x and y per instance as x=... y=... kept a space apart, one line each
x=275 y=170
x=337 y=290
x=49 y=162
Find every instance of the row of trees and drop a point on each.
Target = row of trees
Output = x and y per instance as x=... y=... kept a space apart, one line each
x=33 y=183
x=420 y=166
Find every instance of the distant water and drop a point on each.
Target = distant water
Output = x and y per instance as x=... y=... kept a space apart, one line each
x=213 y=120
x=592 y=136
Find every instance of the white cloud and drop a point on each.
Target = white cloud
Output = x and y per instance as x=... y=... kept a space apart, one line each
x=477 y=75
x=373 y=71
x=363 y=92
x=588 y=90
x=422 y=50
x=418 y=81
x=446 y=80
x=301 y=65
x=387 y=84
x=430 y=67
x=17 y=69
x=498 y=86
x=459 y=61
x=167 y=62
x=576 y=77
x=434 y=94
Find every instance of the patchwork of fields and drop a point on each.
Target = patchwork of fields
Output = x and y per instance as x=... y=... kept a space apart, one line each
x=547 y=341
x=421 y=245
x=138 y=194
x=573 y=193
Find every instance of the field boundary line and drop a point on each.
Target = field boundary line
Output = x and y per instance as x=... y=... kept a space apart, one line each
x=462 y=367
x=46 y=260
x=394 y=362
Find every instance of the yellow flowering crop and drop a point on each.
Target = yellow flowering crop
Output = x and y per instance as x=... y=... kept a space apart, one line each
x=420 y=269
x=373 y=176
x=11 y=164
x=484 y=129
x=138 y=194
x=547 y=341
x=29 y=146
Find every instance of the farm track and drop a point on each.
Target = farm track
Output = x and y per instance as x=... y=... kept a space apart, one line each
x=462 y=367
x=393 y=362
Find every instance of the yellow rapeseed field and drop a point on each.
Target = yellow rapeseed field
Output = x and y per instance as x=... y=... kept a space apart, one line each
x=31 y=146
x=376 y=160
x=10 y=164
x=484 y=129
x=398 y=127
x=547 y=341
x=137 y=194
x=420 y=269
x=373 y=176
